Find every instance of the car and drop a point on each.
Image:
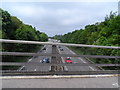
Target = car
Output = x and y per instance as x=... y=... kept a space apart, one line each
x=61 y=49
x=68 y=60
x=45 y=60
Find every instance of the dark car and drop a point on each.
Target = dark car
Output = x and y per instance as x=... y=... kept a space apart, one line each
x=61 y=49
x=44 y=48
x=45 y=60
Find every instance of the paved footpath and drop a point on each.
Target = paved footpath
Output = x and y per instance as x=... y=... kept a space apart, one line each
x=79 y=82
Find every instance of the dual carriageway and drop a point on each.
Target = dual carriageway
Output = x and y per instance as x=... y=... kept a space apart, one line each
x=58 y=67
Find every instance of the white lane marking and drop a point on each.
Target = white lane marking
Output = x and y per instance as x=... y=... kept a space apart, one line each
x=93 y=63
x=116 y=85
x=86 y=62
x=35 y=69
x=24 y=66
x=81 y=60
x=79 y=57
x=69 y=50
x=50 y=68
x=40 y=61
x=48 y=46
x=91 y=68
x=21 y=68
x=63 y=60
x=30 y=60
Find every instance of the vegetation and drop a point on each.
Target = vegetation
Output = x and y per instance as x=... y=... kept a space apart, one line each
x=13 y=28
x=106 y=33
x=57 y=37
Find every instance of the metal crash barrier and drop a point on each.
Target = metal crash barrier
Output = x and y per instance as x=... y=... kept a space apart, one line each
x=57 y=67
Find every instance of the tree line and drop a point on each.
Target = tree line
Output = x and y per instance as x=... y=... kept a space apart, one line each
x=106 y=33
x=14 y=29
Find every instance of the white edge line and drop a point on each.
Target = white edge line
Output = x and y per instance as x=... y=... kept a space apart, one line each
x=40 y=61
x=49 y=57
x=93 y=63
x=69 y=50
x=91 y=68
x=86 y=62
x=81 y=60
x=50 y=68
x=30 y=60
x=21 y=68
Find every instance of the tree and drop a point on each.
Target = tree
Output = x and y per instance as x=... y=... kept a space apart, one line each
x=25 y=32
x=106 y=33
x=43 y=37
x=6 y=22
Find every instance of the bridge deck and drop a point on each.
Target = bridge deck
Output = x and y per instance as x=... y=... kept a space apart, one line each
x=58 y=82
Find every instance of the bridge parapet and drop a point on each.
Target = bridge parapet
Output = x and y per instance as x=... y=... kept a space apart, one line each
x=53 y=63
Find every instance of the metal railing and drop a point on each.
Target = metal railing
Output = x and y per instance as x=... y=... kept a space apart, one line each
x=51 y=43
x=53 y=55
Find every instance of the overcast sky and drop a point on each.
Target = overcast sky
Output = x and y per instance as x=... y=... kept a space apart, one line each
x=60 y=17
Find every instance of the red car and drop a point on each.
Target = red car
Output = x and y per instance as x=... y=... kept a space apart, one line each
x=68 y=60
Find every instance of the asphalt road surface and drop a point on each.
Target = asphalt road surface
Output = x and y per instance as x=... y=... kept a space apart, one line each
x=75 y=60
x=65 y=50
x=38 y=59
